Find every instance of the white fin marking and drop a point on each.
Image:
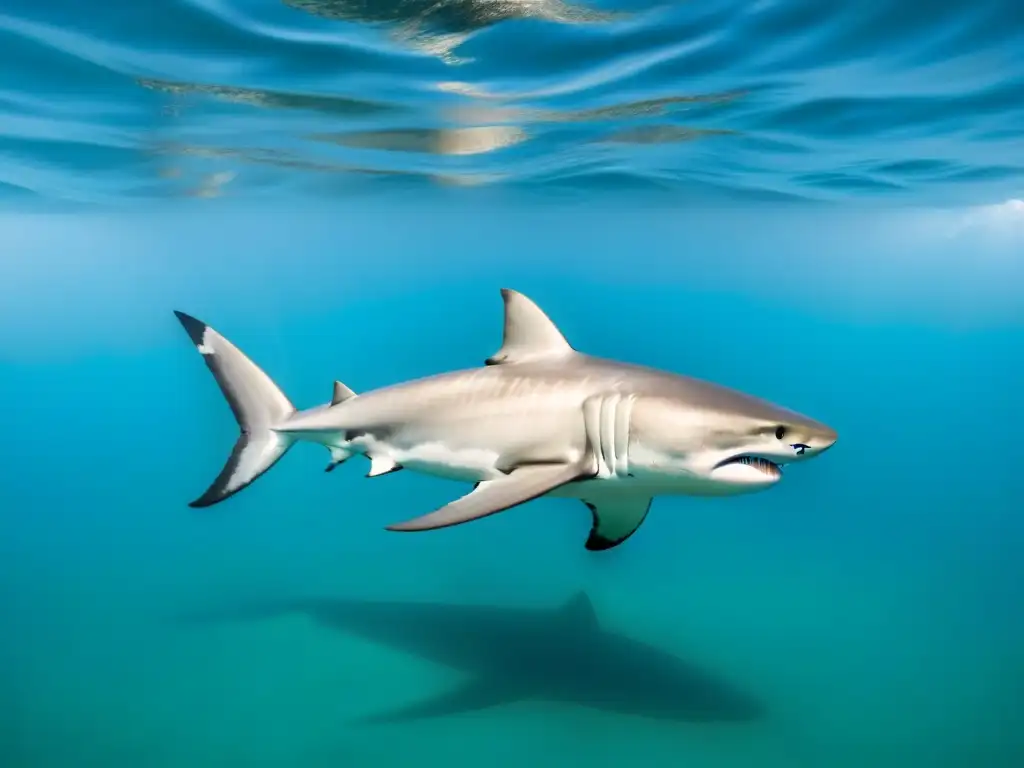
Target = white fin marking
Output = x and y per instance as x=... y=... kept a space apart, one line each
x=381 y=464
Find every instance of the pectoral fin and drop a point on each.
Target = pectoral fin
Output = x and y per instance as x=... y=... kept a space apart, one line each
x=478 y=693
x=520 y=485
x=616 y=518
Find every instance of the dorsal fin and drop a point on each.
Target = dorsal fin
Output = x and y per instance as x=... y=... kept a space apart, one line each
x=579 y=612
x=529 y=333
x=341 y=393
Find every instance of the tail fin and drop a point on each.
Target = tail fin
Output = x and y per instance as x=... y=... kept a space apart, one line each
x=258 y=406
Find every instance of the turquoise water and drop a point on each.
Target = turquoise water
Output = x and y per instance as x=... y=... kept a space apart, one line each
x=815 y=203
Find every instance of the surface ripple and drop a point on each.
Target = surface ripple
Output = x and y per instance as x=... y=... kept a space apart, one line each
x=827 y=100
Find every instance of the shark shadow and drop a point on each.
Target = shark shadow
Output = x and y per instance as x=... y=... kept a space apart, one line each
x=513 y=654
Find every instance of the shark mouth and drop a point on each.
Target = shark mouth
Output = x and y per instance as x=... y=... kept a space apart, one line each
x=768 y=468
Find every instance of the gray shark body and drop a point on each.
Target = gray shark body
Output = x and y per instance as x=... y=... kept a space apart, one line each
x=538 y=419
x=513 y=654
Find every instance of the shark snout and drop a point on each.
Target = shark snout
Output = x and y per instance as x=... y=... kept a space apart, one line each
x=814 y=442
x=825 y=440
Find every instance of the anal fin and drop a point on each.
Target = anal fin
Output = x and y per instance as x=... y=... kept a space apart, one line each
x=474 y=694
x=521 y=485
x=338 y=456
x=616 y=517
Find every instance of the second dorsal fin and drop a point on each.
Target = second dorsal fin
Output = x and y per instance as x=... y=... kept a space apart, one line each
x=529 y=333
x=341 y=393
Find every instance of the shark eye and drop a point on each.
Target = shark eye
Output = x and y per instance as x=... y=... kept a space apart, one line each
x=780 y=432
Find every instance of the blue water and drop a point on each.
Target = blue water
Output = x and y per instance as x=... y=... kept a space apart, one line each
x=815 y=202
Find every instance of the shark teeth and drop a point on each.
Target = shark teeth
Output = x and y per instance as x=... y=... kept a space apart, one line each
x=769 y=468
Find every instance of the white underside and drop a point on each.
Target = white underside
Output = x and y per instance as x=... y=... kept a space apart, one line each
x=455 y=453
x=432 y=458
x=472 y=465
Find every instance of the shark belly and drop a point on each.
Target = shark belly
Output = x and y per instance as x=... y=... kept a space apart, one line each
x=469 y=426
x=649 y=484
x=479 y=448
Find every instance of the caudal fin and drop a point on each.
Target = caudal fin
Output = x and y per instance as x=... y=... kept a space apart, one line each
x=257 y=402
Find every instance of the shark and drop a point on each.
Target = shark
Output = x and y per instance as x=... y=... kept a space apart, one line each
x=538 y=418
x=510 y=654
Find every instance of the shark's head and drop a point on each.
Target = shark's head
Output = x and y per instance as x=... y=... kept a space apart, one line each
x=716 y=441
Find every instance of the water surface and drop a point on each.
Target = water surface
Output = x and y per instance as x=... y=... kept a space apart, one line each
x=818 y=100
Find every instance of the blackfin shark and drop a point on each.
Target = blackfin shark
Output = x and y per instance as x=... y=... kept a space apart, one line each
x=512 y=654
x=537 y=419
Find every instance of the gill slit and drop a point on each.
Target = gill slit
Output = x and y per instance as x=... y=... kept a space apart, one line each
x=607 y=424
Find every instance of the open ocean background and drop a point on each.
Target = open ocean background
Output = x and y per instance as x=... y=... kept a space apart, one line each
x=820 y=202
